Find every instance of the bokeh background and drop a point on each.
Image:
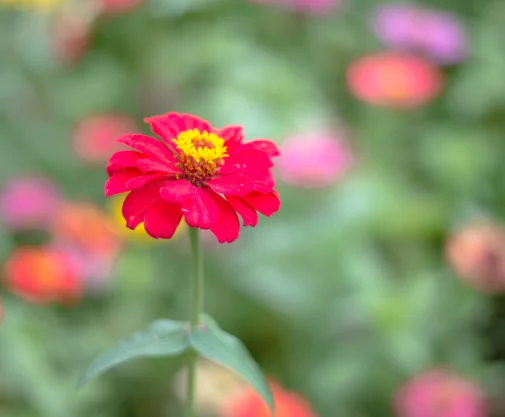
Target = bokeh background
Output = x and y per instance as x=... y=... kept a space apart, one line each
x=374 y=292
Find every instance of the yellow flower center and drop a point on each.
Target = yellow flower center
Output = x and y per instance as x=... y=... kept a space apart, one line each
x=201 y=154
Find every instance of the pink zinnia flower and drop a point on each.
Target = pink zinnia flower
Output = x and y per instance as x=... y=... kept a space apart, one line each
x=314 y=159
x=95 y=136
x=436 y=34
x=440 y=393
x=197 y=172
x=28 y=203
x=116 y=7
x=394 y=80
x=249 y=404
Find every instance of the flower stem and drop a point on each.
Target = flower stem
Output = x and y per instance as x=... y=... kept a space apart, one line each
x=196 y=309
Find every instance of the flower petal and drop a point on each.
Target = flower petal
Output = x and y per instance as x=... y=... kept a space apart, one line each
x=162 y=219
x=263 y=181
x=168 y=126
x=176 y=191
x=200 y=208
x=227 y=226
x=232 y=135
x=248 y=214
x=142 y=180
x=123 y=159
x=149 y=146
x=155 y=165
x=137 y=202
x=247 y=161
x=233 y=184
x=117 y=183
x=267 y=146
x=266 y=204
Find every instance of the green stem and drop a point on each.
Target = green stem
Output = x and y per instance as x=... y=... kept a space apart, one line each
x=196 y=309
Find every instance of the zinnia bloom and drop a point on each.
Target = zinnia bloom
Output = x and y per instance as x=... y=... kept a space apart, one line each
x=42 y=275
x=196 y=172
x=95 y=136
x=249 y=404
x=439 y=393
x=477 y=255
x=435 y=34
x=116 y=7
x=28 y=203
x=394 y=80
x=314 y=159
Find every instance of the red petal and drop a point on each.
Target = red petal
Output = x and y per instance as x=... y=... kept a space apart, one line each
x=149 y=146
x=234 y=184
x=155 y=165
x=263 y=181
x=176 y=191
x=200 y=209
x=162 y=219
x=248 y=214
x=142 y=180
x=168 y=126
x=117 y=183
x=266 y=204
x=123 y=159
x=262 y=145
x=232 y=135
x=137 y=202
x=227 y=226
x=246 y=162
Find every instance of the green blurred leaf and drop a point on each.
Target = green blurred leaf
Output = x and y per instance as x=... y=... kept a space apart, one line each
x=161 y=338
x=215 y=344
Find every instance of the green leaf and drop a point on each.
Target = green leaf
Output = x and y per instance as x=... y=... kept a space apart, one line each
x=161 y=338
x=215 y=344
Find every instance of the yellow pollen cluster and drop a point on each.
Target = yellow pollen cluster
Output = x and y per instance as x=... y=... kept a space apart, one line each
x=201 y=153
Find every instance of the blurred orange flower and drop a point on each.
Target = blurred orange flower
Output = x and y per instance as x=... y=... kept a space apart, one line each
x=477 y=255
x=88 y=235
x=394 y=80
x=43 y=275
x=249 y=404
x=95 y=136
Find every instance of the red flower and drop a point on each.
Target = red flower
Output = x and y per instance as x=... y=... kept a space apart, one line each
x=43 y=276
x=249 y=404
x=198 y=172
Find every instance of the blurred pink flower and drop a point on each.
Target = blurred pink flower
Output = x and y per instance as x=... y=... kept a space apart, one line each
x=436 y=34
x=28 y=203
x=440 y=393
x=477 y=254
x=95 y=136
x=314 y=159
x=394 y=80
x=70 y=37
x=315 y=7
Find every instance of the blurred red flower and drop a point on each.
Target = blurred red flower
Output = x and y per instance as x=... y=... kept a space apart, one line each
x=185 y=174
x=42 y=275
x=440 y=393
x=70 y=37
x=115 y=7
x=249 y=404
x=95 y=136
x=477 y=254
x=394 y=80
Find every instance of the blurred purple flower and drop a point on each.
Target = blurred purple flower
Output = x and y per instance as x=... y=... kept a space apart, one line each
x=436 y=34
x=440 y=393
x=314 y=159
x=28 y=203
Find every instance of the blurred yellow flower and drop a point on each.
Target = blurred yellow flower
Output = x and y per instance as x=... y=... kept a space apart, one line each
x=139 y=235
x=41 y=5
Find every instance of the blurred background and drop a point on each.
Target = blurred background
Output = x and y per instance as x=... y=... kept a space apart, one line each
x=374 y=292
